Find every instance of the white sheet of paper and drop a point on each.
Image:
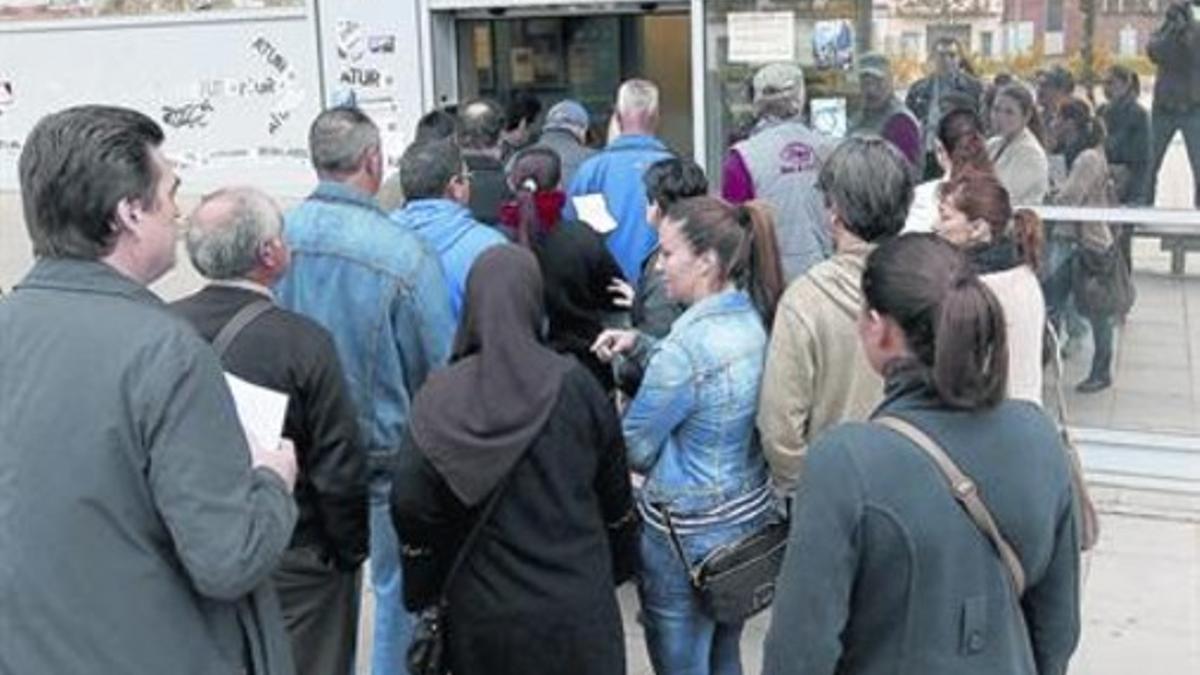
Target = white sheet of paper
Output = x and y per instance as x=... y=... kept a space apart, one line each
x=260 y=410
x=593 y=210
x=761 y=37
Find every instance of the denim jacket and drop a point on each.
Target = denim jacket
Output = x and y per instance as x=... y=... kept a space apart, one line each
x=691 y=427
x=380 y=292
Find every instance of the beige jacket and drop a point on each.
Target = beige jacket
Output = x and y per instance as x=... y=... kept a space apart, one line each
x=1086 y=185
x=816 y=374
x=1022 y=167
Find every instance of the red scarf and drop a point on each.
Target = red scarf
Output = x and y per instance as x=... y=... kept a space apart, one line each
x=548 y=204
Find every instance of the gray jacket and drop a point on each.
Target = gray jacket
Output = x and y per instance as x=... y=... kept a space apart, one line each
x=885 y=573
x=570 y=151
x=135 y=537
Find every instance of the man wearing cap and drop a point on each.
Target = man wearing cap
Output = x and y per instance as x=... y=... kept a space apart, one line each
x=883 y=113
x=779 y=164
x=564 y=132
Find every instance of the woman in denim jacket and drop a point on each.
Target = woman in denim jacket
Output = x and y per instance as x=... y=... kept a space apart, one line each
x=690 y=430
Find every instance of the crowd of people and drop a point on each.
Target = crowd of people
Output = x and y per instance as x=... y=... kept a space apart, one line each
x=524 y=371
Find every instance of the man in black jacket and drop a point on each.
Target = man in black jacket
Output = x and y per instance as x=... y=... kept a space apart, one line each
x=1175 y=49
x=235 y=239
x=480 y=124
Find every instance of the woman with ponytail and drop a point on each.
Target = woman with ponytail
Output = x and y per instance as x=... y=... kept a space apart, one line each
x=1005 y=249
x=960 y=146
x=690 y=429
x=1016 y=149
x=885 y=571
x=577 y=268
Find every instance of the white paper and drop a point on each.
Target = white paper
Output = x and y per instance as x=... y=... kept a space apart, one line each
x=593 y=210
x=761 y=37
x=260 y=410
x=829 y=116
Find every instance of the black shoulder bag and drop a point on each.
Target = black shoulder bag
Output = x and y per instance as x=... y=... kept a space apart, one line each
x=736 y=581
x=427 y=652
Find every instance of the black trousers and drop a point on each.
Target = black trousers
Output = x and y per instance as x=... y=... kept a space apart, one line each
x=320 y=610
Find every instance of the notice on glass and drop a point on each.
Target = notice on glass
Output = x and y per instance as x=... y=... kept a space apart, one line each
x=761 y=37
x=260 y=410
x=829 y=116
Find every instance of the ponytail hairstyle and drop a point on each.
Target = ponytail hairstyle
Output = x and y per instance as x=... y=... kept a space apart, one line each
x=960 y=132
x=537 y=205
x=1020 y=94
x=743 y=238
x=952 y=323
x=981 y=196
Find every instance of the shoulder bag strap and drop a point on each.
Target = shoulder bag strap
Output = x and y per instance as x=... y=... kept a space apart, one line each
x=967 y=494
x=693 y=576
x=485 y=515
x=237 y=324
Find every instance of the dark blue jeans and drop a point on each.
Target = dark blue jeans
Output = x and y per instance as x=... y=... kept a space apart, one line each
x=1163 y=125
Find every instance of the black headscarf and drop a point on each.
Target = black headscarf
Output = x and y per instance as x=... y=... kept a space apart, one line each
x=475 y=418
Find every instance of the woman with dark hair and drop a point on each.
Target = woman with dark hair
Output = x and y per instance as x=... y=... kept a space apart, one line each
x=1127 y=146
x=1016 y=150
x=1005 y=249
x=960 y=145
x=885 y=571
x=577 y=267
x=690 y=429
x=512 y=421
x=1081 y=251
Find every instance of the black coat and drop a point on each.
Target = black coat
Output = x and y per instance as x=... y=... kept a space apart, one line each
x=1127 y=147
x=489 y=187
x=289 y=353
x=1175 y=49
x=536 y=594
x=577 y=269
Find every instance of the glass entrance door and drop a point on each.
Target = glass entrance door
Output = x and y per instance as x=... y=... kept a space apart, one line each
x=583 y=58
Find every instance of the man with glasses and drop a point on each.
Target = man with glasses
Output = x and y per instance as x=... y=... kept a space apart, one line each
x=437 y=183
x=381 y=294
x=927 y=97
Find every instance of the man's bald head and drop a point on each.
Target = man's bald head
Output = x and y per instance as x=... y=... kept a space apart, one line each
x=227 y=232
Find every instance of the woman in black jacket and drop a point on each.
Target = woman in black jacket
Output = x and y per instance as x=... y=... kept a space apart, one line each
x=885 y=572
x=536 y=591
x=1127 y=145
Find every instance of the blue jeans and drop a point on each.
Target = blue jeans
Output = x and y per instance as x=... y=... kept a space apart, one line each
x=393 y=625
x=681 y=638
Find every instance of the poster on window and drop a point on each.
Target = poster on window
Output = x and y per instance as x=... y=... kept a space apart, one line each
x=833 y=44
x=828 y=116
x=761 y=37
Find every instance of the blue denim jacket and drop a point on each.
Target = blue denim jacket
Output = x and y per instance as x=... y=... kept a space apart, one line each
x=691 y=427
x=380 y=292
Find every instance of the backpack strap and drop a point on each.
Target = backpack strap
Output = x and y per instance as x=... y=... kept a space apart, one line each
x=967 y=494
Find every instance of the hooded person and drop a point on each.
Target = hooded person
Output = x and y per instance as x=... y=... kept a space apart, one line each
x=816 y=374
x=536 y=592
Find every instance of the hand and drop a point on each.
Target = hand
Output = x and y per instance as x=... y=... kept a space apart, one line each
x=612 y=342
x=281 y=460
x=622 y=293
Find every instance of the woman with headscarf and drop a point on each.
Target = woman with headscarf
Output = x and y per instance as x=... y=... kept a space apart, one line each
x=535 y=594
x=578 y=269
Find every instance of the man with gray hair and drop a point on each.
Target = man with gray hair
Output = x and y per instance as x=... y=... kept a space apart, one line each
x=779 y=164
x=235 y=239
x=615 y=173
x=816 y=374
x=380 y=293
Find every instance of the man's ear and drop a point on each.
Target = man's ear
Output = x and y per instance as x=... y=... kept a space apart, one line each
x=127 y=216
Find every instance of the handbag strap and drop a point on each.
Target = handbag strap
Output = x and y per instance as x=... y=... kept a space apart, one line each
x=234 y=327
x=967 y=494
x=693 y=575
x=464 y=550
